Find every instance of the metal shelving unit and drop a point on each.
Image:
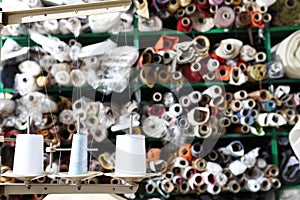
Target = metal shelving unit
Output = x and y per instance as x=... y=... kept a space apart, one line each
x=271 y=36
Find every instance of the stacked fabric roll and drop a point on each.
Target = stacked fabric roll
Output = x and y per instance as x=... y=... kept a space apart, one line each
x=202 y=15
x=214 y=112
x=65 y=65
x=225 y=168
x=230 y=61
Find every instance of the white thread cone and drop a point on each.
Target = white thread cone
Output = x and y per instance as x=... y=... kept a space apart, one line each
x=130 y=155
x=29 y=156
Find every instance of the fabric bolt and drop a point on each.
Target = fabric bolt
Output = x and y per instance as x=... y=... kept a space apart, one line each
x=287 y=52
x=224 y=17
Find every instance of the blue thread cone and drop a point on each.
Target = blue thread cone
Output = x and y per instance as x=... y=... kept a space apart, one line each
x=78 y=160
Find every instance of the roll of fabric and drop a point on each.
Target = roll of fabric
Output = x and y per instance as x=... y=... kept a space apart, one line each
x=142 y=8
x=199 y=164
x=260 y=57
x=224 y=17
x=196 y=181
x=192 y=72
x=286 y=12
x=275 y=70
x=190 y=9
x=203 y=45
x=257 y=19
x=287 y=52
x=224 y=71
x=229 y=48
x=257 y=72
x=156 y=110
x=185 y=152
x=173 y=6
x=150 y=186
x=247 y=53
x=184 y=24
x=202 y=23
x=157 y=97
x=183 y=123
x=215 y=2
x=201 y=4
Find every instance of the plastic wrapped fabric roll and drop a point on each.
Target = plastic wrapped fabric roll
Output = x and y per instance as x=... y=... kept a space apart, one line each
x=183 y=123
x=287 y=52
x=168 y=99
x=154 y=127
x=253 y=185
x=201 y=5
x=175 y=109
x=156 y=110
x=195 y=97
x=198 y=115
x=224 y=17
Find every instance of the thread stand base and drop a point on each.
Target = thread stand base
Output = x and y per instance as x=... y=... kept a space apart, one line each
x=132 y=179
x=78 y=178
x=27 y=178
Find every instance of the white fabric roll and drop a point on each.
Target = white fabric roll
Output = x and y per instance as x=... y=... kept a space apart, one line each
x=288 y=53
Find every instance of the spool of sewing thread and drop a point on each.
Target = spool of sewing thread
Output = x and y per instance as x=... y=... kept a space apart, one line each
x=29 y=154
x=78 y=159
x=130 y=155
